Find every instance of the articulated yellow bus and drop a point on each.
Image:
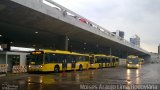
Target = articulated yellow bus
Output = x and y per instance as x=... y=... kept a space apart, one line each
x=132 y=62
x=103 y=61
x=107 y=62
x=114 y=61
x=57 y=60
x=93 y=62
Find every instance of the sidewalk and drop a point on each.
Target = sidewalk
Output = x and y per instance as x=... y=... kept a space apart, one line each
x=2 y=75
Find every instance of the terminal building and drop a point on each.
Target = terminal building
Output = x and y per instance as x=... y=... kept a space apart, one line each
x=135 y=40
x=119 y=33
x=13 y=57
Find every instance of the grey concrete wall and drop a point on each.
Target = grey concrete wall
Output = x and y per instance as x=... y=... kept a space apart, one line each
x=2 y=59
x=122 y=62
x=9 y=62
x=10 y=56
x=23 y=59
x=155 y=57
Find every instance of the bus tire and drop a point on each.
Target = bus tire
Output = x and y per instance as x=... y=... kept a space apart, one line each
x=56 y=69
x=80 y=68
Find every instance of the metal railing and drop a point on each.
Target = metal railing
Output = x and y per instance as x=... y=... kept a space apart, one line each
x=66 y=12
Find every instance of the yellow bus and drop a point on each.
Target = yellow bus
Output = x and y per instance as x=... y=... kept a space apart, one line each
x=132 y=62
x=100 y=61
x=93 y=62
x=107 y=62
x=57 y=60
x=114 y=61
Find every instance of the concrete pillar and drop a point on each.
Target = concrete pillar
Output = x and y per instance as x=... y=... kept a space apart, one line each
x=62 y=43
x=66 y=42
x=6 y=57
x=110 y=51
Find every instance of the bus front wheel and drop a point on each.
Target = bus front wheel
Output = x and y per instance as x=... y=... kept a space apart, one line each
x=56 y=69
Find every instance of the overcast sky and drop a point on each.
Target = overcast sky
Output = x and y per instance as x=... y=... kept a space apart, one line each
x=141 y=17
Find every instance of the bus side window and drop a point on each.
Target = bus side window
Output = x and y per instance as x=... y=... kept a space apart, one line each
x=69 y=58
x=105 y=60
x=75 y=58
x=47 y=58
x=96 y=60
x=50 y=58
x=82 y=58
x=86 y=58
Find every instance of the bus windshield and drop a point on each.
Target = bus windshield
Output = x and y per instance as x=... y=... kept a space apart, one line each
x=36 y=59
x=133 y=60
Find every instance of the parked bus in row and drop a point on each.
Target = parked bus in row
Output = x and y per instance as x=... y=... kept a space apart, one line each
x=48 y=60
x=115 y=61
x=57 y=60
x=103 y=61
x=98 y=60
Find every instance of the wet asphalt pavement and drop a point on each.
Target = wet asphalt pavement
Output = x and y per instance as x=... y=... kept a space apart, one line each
x=72 y=80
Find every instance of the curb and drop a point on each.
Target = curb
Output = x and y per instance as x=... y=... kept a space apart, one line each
x=2 y=75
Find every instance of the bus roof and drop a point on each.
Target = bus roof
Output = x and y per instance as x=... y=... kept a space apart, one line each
x=112 y=56
x=132 y=56
x=103 y=55
x=63 y=52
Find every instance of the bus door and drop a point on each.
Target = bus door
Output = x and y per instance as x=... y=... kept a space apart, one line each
x=64 y=62
x=92 y=60
x=111 y=61
x=105 y=62
x=73 y=62
x=101 y=62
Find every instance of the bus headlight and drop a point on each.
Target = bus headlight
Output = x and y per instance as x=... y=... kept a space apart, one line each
x=29 y=66
x=128 y=65
x=41 y=66
x=92 y=65
x=137 y=65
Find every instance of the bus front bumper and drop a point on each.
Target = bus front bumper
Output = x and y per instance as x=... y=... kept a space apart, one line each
x=35 y=68
x=133 y=65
